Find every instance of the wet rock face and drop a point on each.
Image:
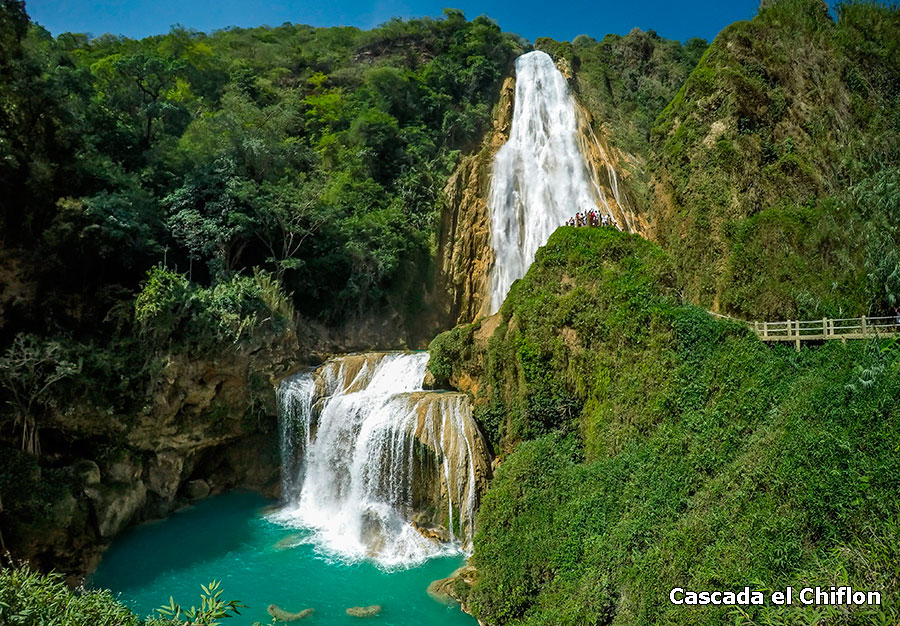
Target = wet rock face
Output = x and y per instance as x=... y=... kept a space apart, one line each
x=464 y=252
x=464 y=471
x=382 y=455
x=609 y=169
x=208 y=425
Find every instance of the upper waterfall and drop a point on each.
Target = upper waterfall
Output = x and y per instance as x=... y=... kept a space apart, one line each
x=376 y=467
x=540 y=178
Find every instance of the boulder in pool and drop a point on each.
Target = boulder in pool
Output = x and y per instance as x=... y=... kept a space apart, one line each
x=364 y=611
x=286 y=616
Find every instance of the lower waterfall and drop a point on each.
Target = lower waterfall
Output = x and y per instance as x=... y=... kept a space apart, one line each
x=375 y=467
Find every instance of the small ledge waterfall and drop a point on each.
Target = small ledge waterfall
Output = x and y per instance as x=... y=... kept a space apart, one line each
x=540 y=177
x=375 y=467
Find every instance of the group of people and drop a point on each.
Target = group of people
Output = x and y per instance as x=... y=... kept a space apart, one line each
x=591 y=218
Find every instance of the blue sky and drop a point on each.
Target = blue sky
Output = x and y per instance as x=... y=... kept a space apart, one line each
x=530 y=18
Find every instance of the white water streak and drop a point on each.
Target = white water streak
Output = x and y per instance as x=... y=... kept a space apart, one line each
x=540 y=177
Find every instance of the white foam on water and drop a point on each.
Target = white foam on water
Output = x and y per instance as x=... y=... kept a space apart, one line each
x=348 y=447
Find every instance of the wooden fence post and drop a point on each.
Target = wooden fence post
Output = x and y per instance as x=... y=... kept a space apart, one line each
x=797 y=335
x=864 y=326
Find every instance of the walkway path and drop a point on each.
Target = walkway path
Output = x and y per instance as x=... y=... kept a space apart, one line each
x=824 y=329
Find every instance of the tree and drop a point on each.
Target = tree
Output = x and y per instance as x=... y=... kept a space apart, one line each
x=29 y=369
x=287 y=215
x=141 y=86
x=211 y=217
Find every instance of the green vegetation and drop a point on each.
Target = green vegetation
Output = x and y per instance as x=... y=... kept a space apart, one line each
x=212 y=608
x=171 y=309
x=29 y=598
x=627 y=81
x=647 y=445
x=194 y=193
x=777 y=178
x=206 y=194
x=317 y=154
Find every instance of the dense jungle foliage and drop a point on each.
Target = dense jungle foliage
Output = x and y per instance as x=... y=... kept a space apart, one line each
x=316 y=154
x=646 y=445
x=186 y=192
x=194 y=192
x=627 y=81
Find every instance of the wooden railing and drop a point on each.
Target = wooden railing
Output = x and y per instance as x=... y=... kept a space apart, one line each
x=827 y=329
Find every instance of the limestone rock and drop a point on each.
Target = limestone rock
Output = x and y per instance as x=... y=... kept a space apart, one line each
x=124 y=469
x=464 y=251
x=608 y=171
x=88 y=472
x=447 y=590
x=196 y=489
x=435 y=533
x=285 y=616
x=196 y=412
x=164 y=473
x=446 y=429
x=116 y=505
x=364 y=611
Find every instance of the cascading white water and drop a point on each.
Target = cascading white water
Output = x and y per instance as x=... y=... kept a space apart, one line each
x=539 y=176
x=363 y=446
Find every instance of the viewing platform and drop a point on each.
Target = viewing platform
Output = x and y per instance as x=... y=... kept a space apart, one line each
x=827 y=329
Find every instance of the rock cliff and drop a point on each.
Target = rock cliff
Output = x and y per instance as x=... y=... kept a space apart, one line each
x=465 y=254
x=209 y=424
x=424 y=454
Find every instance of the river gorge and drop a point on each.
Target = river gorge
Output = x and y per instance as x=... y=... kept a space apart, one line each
x=380 y=477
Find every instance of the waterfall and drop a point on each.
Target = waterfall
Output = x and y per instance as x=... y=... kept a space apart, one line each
x=375 y=467
x=539 y=178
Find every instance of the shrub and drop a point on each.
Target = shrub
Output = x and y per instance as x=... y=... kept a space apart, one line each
x=171 y=311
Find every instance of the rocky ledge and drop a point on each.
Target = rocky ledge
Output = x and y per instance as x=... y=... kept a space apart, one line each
x=455 y=588
x=208 y=425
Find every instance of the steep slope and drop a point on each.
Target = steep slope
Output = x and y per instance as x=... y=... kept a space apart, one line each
x=646 y=445
x=775 y=166
x=168 y=204
x=464 y=252
x=111 y=440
